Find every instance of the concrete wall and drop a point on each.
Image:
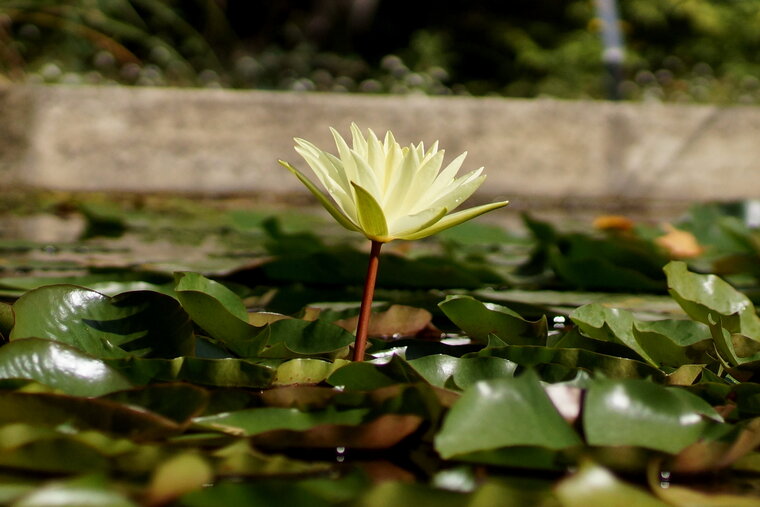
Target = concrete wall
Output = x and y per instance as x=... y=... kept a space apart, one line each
x=216 y=142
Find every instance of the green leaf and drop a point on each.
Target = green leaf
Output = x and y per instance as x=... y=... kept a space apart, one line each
x=478 y=320
x=79 y=492
x=640 y=413
x=441 y=370
x=595 y=486
x=399 y=493
x=306 y=371
x=294 y=337
x=211 y=372
x=7 y=319
x=365 y=376
x=68 y=412
x=214 y=307
x=503 y=412
x=731 y=316
x=674 y=343
x=609 y=324
x=141 y=323
x=259 y=420
x=706 y=297
x=571 y=360
x=59 y=366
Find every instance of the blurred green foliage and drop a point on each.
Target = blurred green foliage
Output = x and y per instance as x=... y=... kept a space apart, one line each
x=687 y=50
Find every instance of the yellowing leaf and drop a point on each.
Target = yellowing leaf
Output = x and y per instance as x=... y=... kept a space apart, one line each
x=679 y=244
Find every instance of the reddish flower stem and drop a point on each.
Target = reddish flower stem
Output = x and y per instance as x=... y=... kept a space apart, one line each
x=366 y=309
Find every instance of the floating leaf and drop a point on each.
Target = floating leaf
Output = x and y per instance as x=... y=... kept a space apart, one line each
x=442 y=370
x=382 y=432
x=396 y=321
x=706 y=297
x=641 y=413
x=306 y=371
x=143 y=323
x=478 y=320
x=595 y=486
x=84 y=413
x=572 y=360
x=211 y=372
x=664 y=342
x=525 y=415
x=178 y=475
x=59 y=366
x=609 y=324
x=214 y=307
x=79 y=492
x=259 y=420
x=365 y=376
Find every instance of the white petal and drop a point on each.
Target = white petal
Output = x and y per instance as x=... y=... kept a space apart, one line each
x=365 y=176
x=344 y=152
x=398 y=189
x=460 y=190
x=359 y=142
x=412 y=223
x=424 y=176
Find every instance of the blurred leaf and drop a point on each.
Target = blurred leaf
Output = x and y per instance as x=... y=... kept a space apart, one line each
x=259 y=420
x=259 y=492
x=382 y=432
x=59 y=366
x=347 y=267
x=641 y=413
x=79 y=492
x=306 y=371
x=141 y=323
x=55 y=454
x=398 y=493
x=595 y=486
x=525 y=415
x=84 y=413
x=478 y=320
x=178 y=475
x=178 y=402
x=7 y=319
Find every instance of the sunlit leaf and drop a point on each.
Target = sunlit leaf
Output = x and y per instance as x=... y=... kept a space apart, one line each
x=79 y=492
x=178 y=475
x=525 y=415
x=64 y=368
x=141 y=323
x=595 y=486
x=641 y=413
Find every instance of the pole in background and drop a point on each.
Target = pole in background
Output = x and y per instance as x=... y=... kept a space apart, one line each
x=612 y=42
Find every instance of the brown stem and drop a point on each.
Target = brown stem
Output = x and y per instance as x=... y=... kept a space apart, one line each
x=366 y=308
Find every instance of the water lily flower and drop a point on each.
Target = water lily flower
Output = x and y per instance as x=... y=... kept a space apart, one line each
x=389 y=192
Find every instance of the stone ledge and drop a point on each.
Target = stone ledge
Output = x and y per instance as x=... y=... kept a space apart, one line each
x=227 y=142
